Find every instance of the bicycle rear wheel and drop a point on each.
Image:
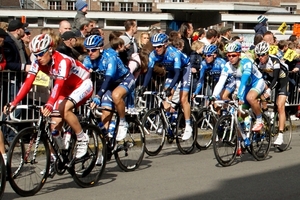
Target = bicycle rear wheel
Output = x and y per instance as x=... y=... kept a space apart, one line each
x=154 y=131
x=185 y=146
x=225 y=141
x=2 y=176
x=86 y=171
x=129 y=152
x=287 y=135
x=205 y=126
x=28 y=162
x=261 y=142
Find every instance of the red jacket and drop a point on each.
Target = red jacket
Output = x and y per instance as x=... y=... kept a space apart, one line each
x=2 y=60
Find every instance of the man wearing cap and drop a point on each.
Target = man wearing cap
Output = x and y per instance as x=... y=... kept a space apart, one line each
x=16 y=60
x=261 y=27
x=225 y=34
x=81 y=7
x=67 y=44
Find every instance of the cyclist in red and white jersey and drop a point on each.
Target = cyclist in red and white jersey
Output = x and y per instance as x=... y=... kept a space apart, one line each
x=72 y=86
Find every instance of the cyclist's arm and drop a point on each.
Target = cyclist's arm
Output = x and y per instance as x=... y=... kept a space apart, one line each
x=275 y=79
x=200 y=80
x=104 y=86
x=220 y=85
x=148 y=75
x=244 y=79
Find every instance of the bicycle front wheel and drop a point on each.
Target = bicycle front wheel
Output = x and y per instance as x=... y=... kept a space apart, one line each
x=225 y=141
x=186 y=146
x=2 y=176
x=129 y=152
x=28 y=162
x=205 y=126
x=154 y=132
x=7 y=129
x=88 y=169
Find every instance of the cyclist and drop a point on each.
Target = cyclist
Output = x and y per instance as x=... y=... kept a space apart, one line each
x=249 y=81
x=276 y=74
x=118 y=81
x=72 y=87
x=178 y=66
x=211 y=66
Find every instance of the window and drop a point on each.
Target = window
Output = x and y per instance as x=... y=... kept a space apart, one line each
x=292 y=9
x=126 y=6
x=71 y=5
x=107 y=6
x=145 y=7
x=178 y=1
x=54 y=5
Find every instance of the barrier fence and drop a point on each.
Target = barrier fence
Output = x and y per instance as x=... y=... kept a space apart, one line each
x=11 y=81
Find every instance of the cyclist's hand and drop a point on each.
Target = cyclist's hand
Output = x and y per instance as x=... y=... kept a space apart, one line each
x=96 y=102
x=241 y=102
x=47 y=110
x=267 y=93
x=8 y=108
x=141 y=91
x=168 y=92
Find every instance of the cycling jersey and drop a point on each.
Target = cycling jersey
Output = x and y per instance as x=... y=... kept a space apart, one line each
x=212 y=69
x=68 y=74
x=174 y=62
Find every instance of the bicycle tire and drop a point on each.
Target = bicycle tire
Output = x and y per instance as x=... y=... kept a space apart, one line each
x=223 y=143
x=154 y=130
x=2 y=176
x=287 y=135
x=185 y=146
x=85 y=171
x=129 y=152
x=261 y=142
x=20 y=167
x=7 y=127
x=205 y=126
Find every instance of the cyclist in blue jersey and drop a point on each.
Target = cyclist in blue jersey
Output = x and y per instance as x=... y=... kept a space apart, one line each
x=178 y=66
x=118 y=81
x=249 y=81
x=211 y=66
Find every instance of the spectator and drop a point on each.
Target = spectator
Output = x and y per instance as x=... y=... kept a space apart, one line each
x=186 y=30
x=26 y=41
x=85 y=27
x=196 y=59
x=261 y=27
x=97 y=31
x=143 y=39
x=178 y=43
x=130 y=31
x=173 y=35
x=67 y=45
x=64 y=26
x=211 y=37
x=4 y=25
x=293 y=38
x=81 y=8
x=269 y=38
x=225 y=34
x=3 y=34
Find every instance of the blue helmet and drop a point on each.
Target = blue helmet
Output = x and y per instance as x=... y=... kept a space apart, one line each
x=93 y=41
x=159 y=39
x=233 y=47
x=210 y=49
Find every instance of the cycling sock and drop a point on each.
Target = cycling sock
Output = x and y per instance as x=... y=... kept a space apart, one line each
x=259 y=118
x=122 y=121
x=80 y=135
x=187 y=122
x=280 y=131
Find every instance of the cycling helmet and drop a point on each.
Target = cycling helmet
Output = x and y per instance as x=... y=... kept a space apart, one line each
x=233 y=47
x=93 y=41
x=40 y=43
x=159 y=39
x=210 y=49
x=262 y=48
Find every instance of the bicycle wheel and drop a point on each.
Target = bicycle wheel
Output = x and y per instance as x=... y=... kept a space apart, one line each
x=86 y=171
x=7 y=127
x=225 y=141
x=2 y=176
x=28 y=162
x=154 y=131
x=129 y=152
x=205 y=126
x=287 y=135
x=185 y=146
x=261 y=141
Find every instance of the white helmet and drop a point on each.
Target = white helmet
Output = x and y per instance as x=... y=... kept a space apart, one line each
x=262 y=48
x=40 y=43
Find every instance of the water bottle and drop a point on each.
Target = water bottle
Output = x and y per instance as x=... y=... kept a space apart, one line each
x=67 y=138
x=242 y=123
x=102 y=128
x=247 y=123
x=174 y=118
x=112 y=127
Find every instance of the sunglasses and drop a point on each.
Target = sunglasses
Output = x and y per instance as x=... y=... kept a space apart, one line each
x=232 y=55
x=208 y=55
x=92 y=50
x=41 y=53
x=261 y=55
x=158 y=47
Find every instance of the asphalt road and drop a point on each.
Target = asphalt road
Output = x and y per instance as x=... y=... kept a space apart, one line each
x=171 y=175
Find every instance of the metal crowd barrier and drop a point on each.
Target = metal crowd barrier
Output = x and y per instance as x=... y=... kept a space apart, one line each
x=11 y=81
